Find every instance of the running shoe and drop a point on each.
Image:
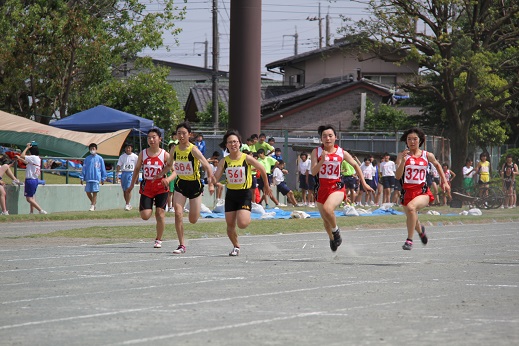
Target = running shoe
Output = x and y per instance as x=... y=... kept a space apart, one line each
x=423 y=236
x=43 y=212
x=408 y=245
x=158 y=244
x=235 y=251
x=281 y=205
x=5 y=213
x=92 y=208
x=337 y=240
x=127 y=207
x=180 y=250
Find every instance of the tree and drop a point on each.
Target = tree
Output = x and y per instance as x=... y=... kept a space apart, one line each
x=146 y=94
x=467 y=50
x=384 y=118
x=51 y=51
x=206 y=117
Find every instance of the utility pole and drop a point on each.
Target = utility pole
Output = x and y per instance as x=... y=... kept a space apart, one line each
x=215 y=66
x=327 y=30
x=296 y=37
x=205 y=43
x=318 y=18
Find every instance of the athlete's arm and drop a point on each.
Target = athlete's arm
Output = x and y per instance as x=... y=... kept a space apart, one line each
x=400 y=162
x=316 y=164
x=207 y=167
x=136 y=171
x=263 y=172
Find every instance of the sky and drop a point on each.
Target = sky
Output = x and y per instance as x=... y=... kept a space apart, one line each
x=281 y=19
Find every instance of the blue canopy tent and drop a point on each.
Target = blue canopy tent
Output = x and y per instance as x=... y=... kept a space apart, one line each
x=101 y=119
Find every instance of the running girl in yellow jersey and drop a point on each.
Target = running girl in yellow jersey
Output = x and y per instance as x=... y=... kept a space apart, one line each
x=186 y=159
x=237 y=167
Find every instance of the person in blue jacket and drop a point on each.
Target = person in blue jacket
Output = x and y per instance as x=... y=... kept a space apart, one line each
x=93 y=173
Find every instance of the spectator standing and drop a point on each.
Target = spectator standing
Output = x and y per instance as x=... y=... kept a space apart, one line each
x=5 y=167
x=277 y=154
x=93 y=173
x=484 y=169
x=262 y=144
x=269 y=163
x=200 y=143
x=32 y=174
x=509 y=172
x=449 y=175
x=278 y=177
x=387 y=169
x=349 y=180
x=306 y=180
x=468 y=177
x=247 y=146
x=126 y=165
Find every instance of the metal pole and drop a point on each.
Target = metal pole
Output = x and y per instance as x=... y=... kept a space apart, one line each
x=245 y=67
x=215 y=67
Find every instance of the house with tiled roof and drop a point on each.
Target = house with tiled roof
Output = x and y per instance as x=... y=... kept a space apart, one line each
x=320 y=86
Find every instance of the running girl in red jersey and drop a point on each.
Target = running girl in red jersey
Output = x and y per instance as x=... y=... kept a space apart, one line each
x=329 y=190
x=153 y=190
x=412 y=165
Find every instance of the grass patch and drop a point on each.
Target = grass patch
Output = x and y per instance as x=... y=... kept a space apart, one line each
x=210 y=228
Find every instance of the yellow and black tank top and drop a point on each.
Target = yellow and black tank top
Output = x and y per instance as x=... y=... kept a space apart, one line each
x=238 y=173
x=186 y=165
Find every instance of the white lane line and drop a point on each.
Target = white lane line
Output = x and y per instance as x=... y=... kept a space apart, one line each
x=219 y=328
x=198 y=302
x=184 y=283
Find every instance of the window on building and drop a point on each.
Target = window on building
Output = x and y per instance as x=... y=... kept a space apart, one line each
x=382 y=79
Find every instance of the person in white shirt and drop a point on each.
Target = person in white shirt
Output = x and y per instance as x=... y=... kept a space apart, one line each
x=306 y=180
x=278 y=177
x=126 y=165
x=368 y=171
x=32 y=174
x=387 y=169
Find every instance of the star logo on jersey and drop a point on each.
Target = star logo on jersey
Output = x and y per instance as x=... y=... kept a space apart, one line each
x=412 y=162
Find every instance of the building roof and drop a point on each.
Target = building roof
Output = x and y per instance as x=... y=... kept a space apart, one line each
x=339 y=44
x=282 y=103
x=201 y=94
x=190 y=67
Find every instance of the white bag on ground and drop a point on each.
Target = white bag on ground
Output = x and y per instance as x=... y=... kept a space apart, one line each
x=475 y=211
x=257 y=209
x=348 y=210
x=297 y=214
x=220 y=206
x=205 y=209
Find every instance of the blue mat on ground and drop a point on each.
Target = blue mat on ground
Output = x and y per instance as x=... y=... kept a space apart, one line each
x=285 y=214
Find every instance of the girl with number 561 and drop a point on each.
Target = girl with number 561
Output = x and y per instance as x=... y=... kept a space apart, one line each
x=412 y=164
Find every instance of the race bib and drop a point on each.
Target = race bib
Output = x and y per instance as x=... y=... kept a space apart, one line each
x=330 y=170
x=151 y=171
x=235 y=175
x=128 y=167
x=415 y=174
x=184 y=168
